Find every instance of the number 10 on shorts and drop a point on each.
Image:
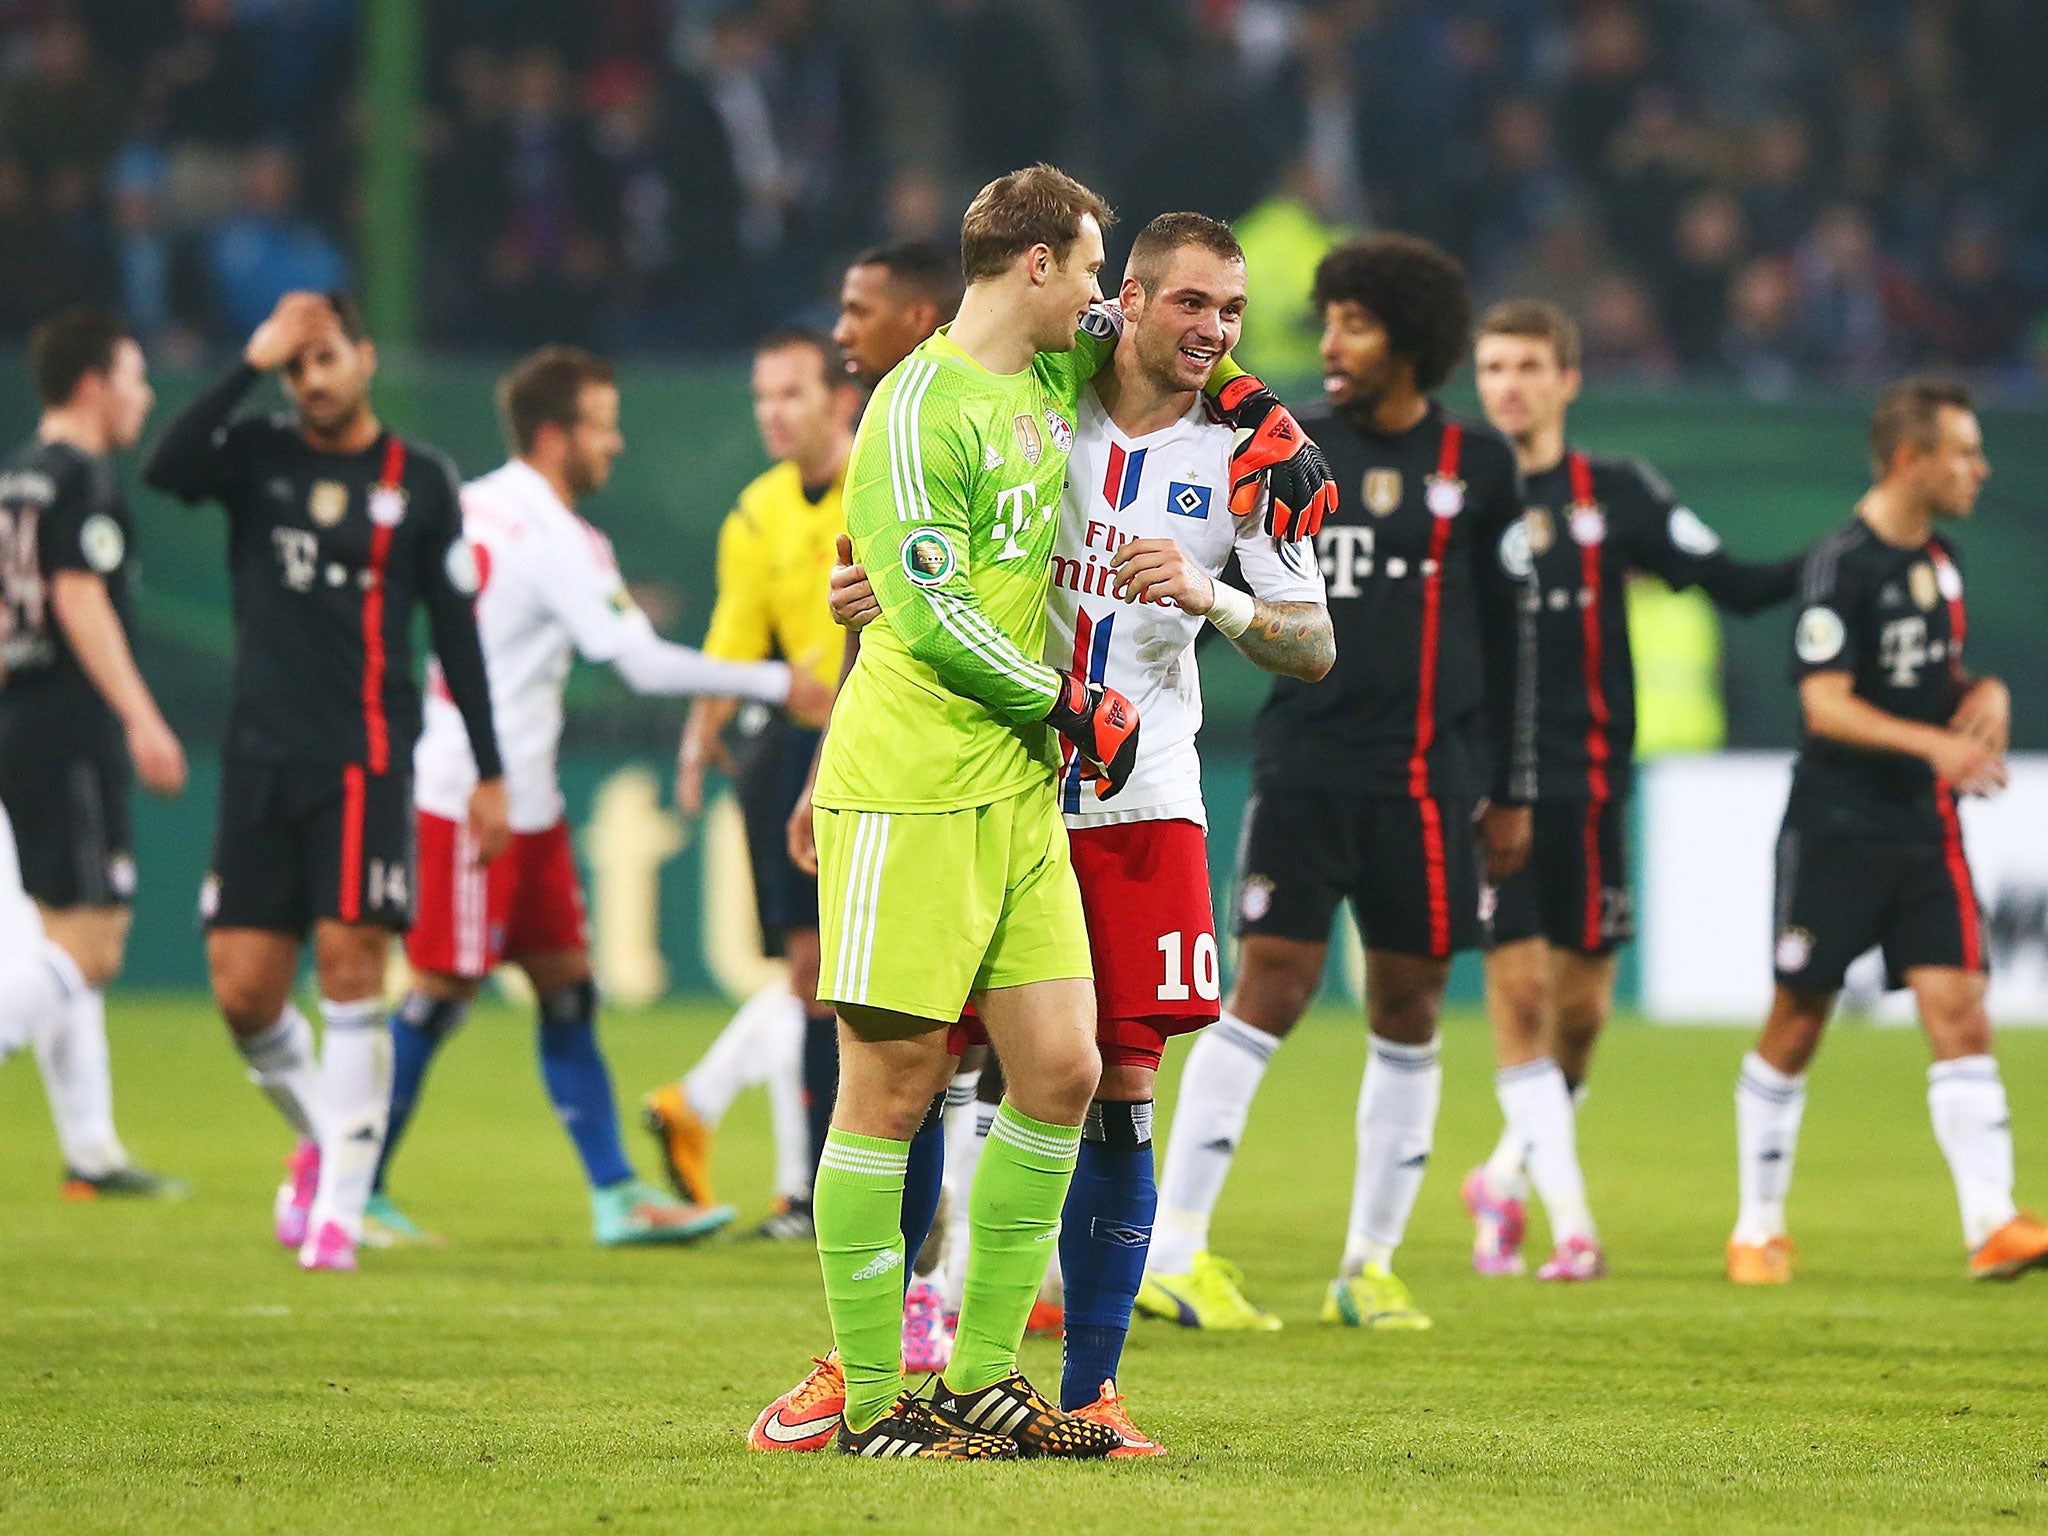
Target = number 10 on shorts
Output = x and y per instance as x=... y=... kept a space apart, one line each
x=1208 y=980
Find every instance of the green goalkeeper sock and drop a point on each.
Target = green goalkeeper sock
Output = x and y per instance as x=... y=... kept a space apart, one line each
x=857 y=1206
x=1013 y=1221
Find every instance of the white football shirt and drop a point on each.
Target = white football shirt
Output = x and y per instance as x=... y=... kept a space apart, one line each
x=1173 y=483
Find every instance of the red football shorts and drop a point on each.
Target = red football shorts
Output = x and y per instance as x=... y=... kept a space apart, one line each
x=467 y=919
x=1151 y=934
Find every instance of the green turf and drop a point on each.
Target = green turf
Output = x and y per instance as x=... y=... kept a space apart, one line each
x=166 y=1369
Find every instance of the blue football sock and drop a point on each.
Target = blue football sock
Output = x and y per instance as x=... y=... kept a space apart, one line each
x=1105 y=1232
x=418 y=1028
x=922 y=1180
x=580 y=1084
x=821 y=1078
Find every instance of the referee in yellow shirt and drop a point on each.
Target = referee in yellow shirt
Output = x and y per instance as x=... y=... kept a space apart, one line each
x=775 y=557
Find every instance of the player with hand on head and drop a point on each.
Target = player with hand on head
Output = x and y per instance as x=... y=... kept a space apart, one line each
x=1871 y=853
x=1370 y=784
x=547 y=589
x=76 y=722
x=1145 y=536
x=1591 y=522
x=338 y=530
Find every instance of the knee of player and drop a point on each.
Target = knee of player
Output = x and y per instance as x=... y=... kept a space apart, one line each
x=350 y=961
x=570 y=1006
x=1065 y=1086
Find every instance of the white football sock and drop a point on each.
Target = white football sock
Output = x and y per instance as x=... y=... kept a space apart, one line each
x=1397 y=1105
x=1216 y=1090
x=78 y=1078
x=1539 y=1110
x=1966 y=1100
x=961 y=1161
x=37 y=986
x=1768 y=1105
x=1503 y=1167
x=781 y=1037
x=355 y=1102
x=281 y=1062
x=739 y=1057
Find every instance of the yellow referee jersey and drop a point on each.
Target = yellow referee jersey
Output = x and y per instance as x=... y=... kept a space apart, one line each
x=774 y=570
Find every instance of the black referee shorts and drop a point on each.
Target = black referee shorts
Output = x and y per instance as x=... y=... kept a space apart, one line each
x=1574 y=891
x=1409 y=867
x=785 y=898
x=298 y=842
x=68 y=800
x=1839 y=896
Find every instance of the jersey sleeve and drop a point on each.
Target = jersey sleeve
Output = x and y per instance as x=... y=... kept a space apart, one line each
x=1826 y=636
x=1671 y=541
x=79 y=530
x=742 y=627
x=449 y=580
x=911 y=529
x=198 y=459
x=1507 y=634
x=1277 y=572
x=585 y=591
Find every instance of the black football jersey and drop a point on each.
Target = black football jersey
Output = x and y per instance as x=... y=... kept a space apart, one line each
x=328 y=555
x=1435 y=638
x=1895 y=621
x=60 y=510
x=1591 y=522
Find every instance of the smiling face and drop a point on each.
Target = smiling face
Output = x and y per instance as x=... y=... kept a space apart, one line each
x=1521 y=386
x=1061 y=291
x=1360 y=369
x=1193 y=316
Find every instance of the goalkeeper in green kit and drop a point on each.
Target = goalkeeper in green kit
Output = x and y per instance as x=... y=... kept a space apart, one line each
x=944 y=876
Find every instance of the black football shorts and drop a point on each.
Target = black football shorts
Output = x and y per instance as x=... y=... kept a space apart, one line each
x=298 y=842
x=67 y=795
x=1574 y=891
x=1839 y=896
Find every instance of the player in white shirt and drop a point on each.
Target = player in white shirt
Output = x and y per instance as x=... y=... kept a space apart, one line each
x=1146 y=531
x=548 y=588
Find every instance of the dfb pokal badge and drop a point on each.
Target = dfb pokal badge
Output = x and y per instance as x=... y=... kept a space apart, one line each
x=387 y=506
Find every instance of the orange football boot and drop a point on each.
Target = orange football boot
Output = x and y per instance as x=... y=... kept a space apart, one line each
x=807 y=1416
x=2021 y=1243
x=1108 y=1408
x=1767 y=1263
x=1048 y=1320
x=685 y=1142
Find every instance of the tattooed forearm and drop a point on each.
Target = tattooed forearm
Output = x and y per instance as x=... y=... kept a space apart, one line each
x=1293 y=639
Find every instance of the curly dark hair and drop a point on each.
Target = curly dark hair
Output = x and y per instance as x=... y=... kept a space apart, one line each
x=1413 y=288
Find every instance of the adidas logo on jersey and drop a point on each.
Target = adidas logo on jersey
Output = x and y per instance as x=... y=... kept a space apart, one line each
x=991 y=458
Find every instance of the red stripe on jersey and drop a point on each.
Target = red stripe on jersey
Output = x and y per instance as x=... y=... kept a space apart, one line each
x=1433 y=874
x=376 y=729
x=1951 y=584
x=1432 y=619
x=1597 y=749
x=1594 y=879
x=1959 y=876
x=352 y=790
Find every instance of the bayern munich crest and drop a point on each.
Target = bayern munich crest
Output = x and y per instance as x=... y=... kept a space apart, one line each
x=387 y=506
x=1062 y=430
x=1444 y=498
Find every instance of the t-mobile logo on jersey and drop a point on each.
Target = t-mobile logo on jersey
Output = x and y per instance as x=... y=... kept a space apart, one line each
x=1016 y=511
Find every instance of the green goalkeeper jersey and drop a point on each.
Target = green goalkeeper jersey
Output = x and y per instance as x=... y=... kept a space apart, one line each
x=953 y=502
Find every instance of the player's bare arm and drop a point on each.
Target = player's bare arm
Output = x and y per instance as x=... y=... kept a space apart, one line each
x=1985 y=714
x=1834 y=711
x=85 y=611
x=1291 y=639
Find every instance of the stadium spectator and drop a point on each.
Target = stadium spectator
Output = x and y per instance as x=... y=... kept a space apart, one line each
x=267 y=249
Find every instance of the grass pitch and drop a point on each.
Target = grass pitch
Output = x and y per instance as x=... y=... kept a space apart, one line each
x=166 y=1369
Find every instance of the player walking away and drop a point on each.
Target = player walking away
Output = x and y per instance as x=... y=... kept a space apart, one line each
x=1145 y=534
x=548 y=588
x=1871 y=852
x=74 y=715
x=774 y=557
x=337 y=530
x=1557 y=922
x=1368 y=784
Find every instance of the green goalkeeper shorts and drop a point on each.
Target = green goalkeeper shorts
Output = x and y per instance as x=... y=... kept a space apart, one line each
x=918 y=909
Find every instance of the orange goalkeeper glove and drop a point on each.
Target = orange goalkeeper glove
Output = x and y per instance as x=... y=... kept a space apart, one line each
x=1102 y=725
x=1271 y=447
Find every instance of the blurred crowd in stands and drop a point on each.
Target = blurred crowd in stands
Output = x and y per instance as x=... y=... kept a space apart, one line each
x=1771 y=191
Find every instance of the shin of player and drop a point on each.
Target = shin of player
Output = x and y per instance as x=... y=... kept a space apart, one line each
x=1871 y=852
x=341 y=530
x=1364 y=784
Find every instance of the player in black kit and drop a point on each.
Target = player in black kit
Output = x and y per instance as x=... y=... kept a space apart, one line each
x=337 y=529
x=1590 y=523
x=1872 y=852
x=1369 y=784
x=75 y=714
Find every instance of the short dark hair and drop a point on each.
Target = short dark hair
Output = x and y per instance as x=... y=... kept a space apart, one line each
x=1536 y=320
x=1910 y=412
x=1039 y=205
x=69 y=345
x=1412 y=287
x=349 y=311
x=1169 y=232
x=925 y=267
x=789 y=338
x=547 y=386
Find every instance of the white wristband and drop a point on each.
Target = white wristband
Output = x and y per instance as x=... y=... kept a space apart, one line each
x=1232 y=610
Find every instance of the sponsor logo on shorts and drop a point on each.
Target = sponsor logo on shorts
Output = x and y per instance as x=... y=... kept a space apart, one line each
x=928 y=558
x=1254 y=898
x=1795 y=948
x=880 y=1265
